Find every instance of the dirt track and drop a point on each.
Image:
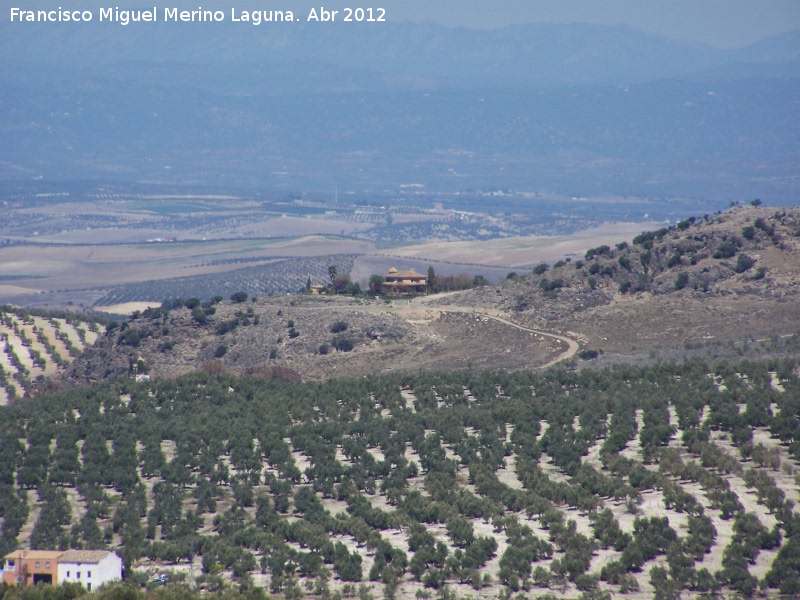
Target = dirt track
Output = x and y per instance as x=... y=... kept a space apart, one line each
x=572 y=345
x=420 y=313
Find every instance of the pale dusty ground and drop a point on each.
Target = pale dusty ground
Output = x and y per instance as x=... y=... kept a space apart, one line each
x=35 y=344
x=508 y=474
x=127 y=308
x=75 y=267
x=10 y=369
x=593 y=456
x=20 y=350
x=15 y=343
x=35 y=507
x=300 y=460
x=422 y=335
x=524 y=251
x=50 y=331
x=634 y=448
x=775 y=382
x=169 y=449
x=8 y=291
x=652 y=505
x=423 y=314
x=72 y=334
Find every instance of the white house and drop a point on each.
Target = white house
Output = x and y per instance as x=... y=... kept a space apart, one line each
x=92 y=568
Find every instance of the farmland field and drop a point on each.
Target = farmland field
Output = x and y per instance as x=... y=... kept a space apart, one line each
x=523 y=252
x=80 y=243
x=34 y=348
x=627 y=481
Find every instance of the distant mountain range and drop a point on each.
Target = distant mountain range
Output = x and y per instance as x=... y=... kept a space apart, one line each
x=571 y=108
x=403 y=54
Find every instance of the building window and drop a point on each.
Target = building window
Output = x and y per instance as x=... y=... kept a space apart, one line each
x=47 y=565
x=38 y=564
x=88 y=587
x=67 y=573
x=88 y=574
x=10 y=565
x=78 y=575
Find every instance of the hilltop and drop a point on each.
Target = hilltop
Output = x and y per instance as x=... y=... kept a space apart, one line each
x=709 y=287
x=703 y=283
x=442 y=477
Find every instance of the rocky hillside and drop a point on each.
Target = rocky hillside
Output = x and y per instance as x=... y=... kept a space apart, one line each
x=743 y=251
x=711 y=286
x=728 y=278
x=589 y=483
x=250 y=335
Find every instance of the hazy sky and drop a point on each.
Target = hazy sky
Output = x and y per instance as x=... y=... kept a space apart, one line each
x=722 y=23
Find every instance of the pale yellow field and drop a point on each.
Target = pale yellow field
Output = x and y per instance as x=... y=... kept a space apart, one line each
x=126 y=308
x=524 y=251
x=49 y=267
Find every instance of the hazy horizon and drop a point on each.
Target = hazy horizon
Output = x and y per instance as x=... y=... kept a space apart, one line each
x=719 y=23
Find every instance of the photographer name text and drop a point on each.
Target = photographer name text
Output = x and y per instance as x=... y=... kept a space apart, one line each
x=199 y=15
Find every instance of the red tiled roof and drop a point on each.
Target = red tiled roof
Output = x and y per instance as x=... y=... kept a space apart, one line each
x=34 y=554
x=411 y=273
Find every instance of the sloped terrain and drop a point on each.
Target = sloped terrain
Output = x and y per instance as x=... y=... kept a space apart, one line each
x=717 y=287
x=315 y=337
x=710 y=286
x=36 y=347
x=203 y=455
x=625 y=481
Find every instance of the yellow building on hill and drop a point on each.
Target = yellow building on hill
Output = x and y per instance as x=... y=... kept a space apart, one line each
x=399 y=283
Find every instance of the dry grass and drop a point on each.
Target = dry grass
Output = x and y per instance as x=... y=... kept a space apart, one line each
x=127 y=308
x=524 y=251
x=70 y=268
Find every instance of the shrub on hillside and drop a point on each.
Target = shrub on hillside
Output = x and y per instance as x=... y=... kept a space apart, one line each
x=726 y=249
x=338 y=327
x=743 y=263
x=541 y=269
x=129 y=337
x=343 y=344
x=226 y=326
x=548 y=285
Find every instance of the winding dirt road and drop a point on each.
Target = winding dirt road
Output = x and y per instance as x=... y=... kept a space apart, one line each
x=572 y=345
x=420 y=312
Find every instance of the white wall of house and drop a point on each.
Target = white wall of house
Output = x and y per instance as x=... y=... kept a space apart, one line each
x=91 y=575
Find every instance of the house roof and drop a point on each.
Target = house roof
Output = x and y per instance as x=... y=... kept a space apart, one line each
x=410 y=273
x=34 y=554
x=83 y=556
